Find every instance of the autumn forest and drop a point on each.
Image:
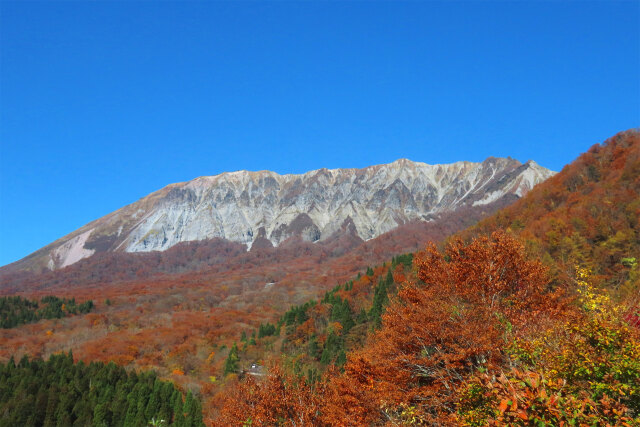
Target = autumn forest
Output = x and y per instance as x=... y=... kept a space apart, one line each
x=527 y=314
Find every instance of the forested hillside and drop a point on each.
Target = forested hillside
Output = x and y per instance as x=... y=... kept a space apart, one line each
x=478 y=339
x=587 y=215
x=315 y=336
x=179 y=312
x=15 y=311
x=59 y=392
x=531 y=319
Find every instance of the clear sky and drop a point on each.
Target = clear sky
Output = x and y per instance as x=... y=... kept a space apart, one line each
x=102 y=103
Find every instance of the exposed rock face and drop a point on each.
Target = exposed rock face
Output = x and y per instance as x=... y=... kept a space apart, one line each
x=265 y=207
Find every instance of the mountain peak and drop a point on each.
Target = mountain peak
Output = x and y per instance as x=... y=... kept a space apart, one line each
x=243 y=206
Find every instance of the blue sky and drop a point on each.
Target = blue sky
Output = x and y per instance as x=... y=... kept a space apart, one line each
x=102 y=103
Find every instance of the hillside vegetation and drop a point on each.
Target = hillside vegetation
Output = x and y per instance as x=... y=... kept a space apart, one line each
x=59 y=392
x=529 y=318
x=15 y=311
x=315 y=336
x=587 y=215
x=179 y=312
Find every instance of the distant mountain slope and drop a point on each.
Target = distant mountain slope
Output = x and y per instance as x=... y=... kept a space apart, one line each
x=266 y=208
x=588 y=214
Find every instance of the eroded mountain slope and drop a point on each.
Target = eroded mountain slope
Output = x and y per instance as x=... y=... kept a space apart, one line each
x=268 y=208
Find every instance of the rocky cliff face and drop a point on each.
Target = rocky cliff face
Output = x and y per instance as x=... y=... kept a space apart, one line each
x=265 y=207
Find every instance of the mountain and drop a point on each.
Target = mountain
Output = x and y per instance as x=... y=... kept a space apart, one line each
x=265 y=208
x=181 y=310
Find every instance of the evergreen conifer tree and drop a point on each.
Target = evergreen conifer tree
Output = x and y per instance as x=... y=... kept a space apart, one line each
x=178 y=416
x=313 y=346
x=231 y=364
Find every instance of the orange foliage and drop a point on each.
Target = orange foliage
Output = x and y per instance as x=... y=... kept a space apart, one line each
x=437 y=333
x=277 y=400
x=588 y=214
x=336 y=327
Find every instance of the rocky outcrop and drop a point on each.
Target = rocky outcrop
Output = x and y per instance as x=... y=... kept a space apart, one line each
x=266 y=208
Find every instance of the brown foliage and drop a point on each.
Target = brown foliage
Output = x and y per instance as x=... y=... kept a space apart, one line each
x=588 y=214
x=437 y=333
x=278 y=399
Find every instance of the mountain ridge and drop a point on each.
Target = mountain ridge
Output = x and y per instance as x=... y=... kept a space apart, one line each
x=264 y=206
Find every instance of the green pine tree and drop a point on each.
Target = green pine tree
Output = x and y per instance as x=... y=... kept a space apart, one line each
x=178 y=416
x=101 y=416
x=231 y=364
x=314 y=348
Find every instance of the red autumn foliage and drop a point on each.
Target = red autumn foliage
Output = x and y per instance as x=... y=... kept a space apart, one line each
x=440 y=331
x=279 y=399
x=588 y=214
x=436 y=334
x=178 y=307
